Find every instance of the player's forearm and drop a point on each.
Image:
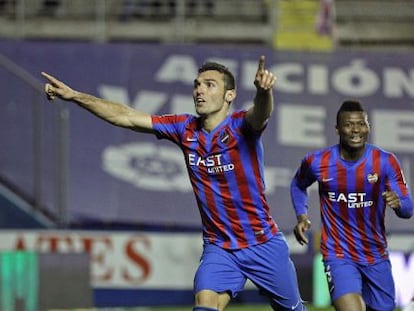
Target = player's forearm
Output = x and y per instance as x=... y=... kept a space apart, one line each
x=114 y=113
x=299 y=198
x=406 y=207
x=261 y=110
x=263 y=103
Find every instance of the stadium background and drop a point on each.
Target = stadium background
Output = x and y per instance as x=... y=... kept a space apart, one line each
x=96 y=216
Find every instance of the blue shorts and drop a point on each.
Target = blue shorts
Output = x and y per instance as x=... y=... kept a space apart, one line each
x=374 y=282
x=267 y=265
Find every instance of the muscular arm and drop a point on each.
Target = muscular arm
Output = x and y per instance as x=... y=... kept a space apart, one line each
x=117 y=114
x=258 y=115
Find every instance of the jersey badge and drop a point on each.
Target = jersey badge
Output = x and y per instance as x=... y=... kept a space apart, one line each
x=372 y=178
x=224 y=138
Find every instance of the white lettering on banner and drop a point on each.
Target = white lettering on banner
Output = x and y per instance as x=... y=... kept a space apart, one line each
x=397 y=83
x=289 y=78
x=120 y=260
x=154 y=260
x=320 y=85
x=294 y=78
x=308 y=128
x=318 y=79
x=177 y=68
x=354 y=79
x=396 y=130
x=147 y=101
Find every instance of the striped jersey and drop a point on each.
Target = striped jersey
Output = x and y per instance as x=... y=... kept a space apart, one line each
x=351 y=202
x=225 y=167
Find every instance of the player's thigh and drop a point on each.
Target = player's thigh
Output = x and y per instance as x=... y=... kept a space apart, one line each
x=378 y=288
x=343 y=277
x=218 y=272
x=270 y=268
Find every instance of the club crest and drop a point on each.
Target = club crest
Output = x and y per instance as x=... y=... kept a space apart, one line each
x=372 y=178
x=224 y=138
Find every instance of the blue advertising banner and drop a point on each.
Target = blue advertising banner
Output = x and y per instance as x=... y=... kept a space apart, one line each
x=119 y=176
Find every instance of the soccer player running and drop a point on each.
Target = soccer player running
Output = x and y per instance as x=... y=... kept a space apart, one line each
x=224 y=156
x=357 y=181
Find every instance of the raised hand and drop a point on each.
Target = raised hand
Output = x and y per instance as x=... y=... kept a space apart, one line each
x=264 y=79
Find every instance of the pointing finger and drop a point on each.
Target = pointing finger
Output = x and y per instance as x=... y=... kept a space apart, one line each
x=261 y=63
x=50 y=78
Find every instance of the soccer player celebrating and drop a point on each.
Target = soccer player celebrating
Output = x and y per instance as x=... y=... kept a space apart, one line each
x=224 y=157
x=357 y=181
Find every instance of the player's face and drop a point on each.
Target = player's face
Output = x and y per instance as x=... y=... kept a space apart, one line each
x=353 y=129
x=209 y=93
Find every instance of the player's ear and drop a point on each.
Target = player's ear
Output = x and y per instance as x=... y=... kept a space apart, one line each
x=336 y=130
x=230 y=95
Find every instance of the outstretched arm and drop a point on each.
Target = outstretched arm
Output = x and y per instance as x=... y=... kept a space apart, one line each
x=114 y=113
x=262 y=108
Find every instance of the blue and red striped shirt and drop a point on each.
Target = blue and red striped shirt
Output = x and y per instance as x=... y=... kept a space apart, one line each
x=351 y=202
x=225 y=167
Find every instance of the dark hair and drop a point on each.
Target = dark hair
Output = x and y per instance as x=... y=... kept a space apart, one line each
x=349 y=105
x=229 y=81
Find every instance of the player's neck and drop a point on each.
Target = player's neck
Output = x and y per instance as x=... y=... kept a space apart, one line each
x=351 y=154
x=211 y=121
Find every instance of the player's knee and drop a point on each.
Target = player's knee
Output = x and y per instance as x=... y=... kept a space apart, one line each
x=299 y=306
x=206 y=300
